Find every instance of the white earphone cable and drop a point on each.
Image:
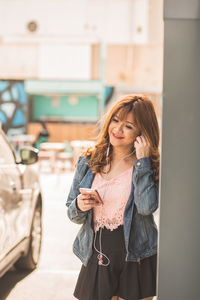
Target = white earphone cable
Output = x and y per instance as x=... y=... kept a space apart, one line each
x=101 y=254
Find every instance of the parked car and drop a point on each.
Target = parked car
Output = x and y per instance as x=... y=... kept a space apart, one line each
x=20 y=208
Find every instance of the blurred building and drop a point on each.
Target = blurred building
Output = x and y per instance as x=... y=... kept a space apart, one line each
x=73 y=55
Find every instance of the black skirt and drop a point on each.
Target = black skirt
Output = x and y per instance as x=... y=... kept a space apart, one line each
x=128 y=280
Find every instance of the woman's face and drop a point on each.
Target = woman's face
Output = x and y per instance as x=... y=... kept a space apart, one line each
x=122 y=133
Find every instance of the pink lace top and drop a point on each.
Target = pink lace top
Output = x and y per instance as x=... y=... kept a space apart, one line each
x=114 y=193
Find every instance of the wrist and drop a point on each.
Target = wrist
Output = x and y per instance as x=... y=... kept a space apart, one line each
x=140 y=156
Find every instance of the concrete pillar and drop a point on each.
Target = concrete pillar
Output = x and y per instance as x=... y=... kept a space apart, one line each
x=179 y=237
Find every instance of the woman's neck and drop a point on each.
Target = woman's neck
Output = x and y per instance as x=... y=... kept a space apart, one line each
x=120 y=162
x=120 y=154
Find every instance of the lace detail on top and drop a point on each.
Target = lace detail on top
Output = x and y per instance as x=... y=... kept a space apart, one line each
x=114 y=193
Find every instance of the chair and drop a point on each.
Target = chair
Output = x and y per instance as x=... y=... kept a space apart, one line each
x=64 y=157
x=46 y=160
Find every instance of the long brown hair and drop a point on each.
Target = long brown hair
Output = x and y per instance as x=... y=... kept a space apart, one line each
x=146 y=123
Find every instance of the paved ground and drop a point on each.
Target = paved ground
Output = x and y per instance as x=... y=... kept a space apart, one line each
x=58 y=269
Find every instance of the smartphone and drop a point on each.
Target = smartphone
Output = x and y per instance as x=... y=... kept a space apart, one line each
x=92 y=192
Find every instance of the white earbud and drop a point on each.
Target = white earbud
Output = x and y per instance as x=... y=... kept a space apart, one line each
x=108 y=150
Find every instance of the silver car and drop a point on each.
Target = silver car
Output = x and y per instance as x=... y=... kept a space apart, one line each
x=20 y=208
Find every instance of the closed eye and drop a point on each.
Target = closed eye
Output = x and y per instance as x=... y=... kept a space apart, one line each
x=115 y=120
x=129 y=127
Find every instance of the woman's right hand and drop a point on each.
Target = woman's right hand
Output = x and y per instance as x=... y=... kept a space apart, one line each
x=85 y=202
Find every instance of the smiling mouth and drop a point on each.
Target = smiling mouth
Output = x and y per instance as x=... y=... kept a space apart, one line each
x=117 y=137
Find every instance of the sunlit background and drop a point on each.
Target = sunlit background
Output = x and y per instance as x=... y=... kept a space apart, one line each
x=65 y=61
x=62 y=64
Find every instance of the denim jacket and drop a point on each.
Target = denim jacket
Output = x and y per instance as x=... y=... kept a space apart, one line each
x=140 y=230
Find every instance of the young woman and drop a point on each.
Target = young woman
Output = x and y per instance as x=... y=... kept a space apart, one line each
x=117 y=242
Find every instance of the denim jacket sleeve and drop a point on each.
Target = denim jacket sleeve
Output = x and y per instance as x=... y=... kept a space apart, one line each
x=145 y=188
x=74 y=213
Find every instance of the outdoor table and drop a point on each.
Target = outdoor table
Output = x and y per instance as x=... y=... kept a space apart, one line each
x=51 y=149
x=55 y=147
x=80 y=146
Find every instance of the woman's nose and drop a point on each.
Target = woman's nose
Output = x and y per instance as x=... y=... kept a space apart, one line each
x=119 y=127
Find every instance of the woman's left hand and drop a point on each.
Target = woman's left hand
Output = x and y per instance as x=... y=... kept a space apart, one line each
x=142 y=147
